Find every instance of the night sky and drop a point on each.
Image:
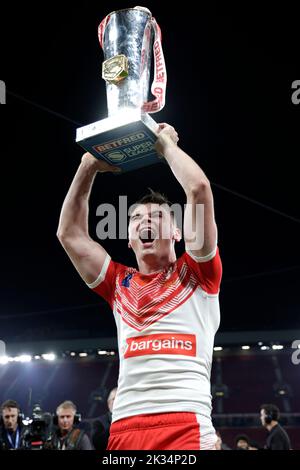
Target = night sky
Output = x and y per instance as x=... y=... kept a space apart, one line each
x=230 y=76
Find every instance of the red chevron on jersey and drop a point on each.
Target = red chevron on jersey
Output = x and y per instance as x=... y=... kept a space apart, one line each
x=166 y=323
x=167 y=343
x=149 y=299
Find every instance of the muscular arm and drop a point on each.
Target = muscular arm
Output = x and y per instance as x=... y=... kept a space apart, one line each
x=197 y=189
x=86 y=254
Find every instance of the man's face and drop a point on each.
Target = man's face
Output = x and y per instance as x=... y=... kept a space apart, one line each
x=241 y=444
x=65 y=418
x=10 y=418
x=263 y=415
x=151 y=230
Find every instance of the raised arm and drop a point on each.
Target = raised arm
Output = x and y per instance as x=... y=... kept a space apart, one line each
x=86 y=254
x=197 y=189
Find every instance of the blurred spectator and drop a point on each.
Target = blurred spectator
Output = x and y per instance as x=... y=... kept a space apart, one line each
x=242 y=442
x=277 y=439
x=68 y=436
x=10 y=426
x=102 y=424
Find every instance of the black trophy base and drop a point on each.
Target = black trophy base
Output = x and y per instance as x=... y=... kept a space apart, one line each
x=125 y=140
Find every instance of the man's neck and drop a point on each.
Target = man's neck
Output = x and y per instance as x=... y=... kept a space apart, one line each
x=151 y=266
x=272 y=425
x=12 y=430
x=64 y=432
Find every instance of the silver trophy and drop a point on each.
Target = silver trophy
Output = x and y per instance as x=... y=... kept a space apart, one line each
x=126 y=137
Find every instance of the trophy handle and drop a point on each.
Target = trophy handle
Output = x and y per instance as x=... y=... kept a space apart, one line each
x=101 y=29
x=158 y=87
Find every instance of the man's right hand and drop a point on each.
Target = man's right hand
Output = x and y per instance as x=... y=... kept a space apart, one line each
x=100 y=165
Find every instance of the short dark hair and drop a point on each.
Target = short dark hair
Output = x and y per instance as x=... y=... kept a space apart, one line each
x=271 y=410
x=242 y=437
x=154 y=197
x=9 y=404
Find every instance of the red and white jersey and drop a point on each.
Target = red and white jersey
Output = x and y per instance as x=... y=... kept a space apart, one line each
x=166 y=323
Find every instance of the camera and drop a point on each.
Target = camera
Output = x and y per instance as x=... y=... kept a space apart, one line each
x=36 y=429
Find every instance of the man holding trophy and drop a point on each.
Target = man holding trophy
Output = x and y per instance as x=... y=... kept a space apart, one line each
x=166 y=310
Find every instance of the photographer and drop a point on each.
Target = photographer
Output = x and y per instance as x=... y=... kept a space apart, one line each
x=11 y=427
x=67 y=436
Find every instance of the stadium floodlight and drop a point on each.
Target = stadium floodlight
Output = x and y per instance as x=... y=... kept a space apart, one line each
x=23 y=358
x=245 y=348
x=4 y=360
x=49 y=356
x=277 y=346
x=218 y=348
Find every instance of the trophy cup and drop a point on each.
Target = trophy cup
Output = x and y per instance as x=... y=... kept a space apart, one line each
x=126 y=137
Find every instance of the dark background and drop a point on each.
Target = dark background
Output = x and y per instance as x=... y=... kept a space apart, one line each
x=229 y=97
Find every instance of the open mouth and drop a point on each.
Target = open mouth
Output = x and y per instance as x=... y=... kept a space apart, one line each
x=147 y=235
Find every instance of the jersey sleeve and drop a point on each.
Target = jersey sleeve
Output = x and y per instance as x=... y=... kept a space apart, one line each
x=105 y=284
x=208 y=270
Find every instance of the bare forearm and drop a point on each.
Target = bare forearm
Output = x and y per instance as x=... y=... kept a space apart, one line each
x=74 y=214
x=186 y=170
